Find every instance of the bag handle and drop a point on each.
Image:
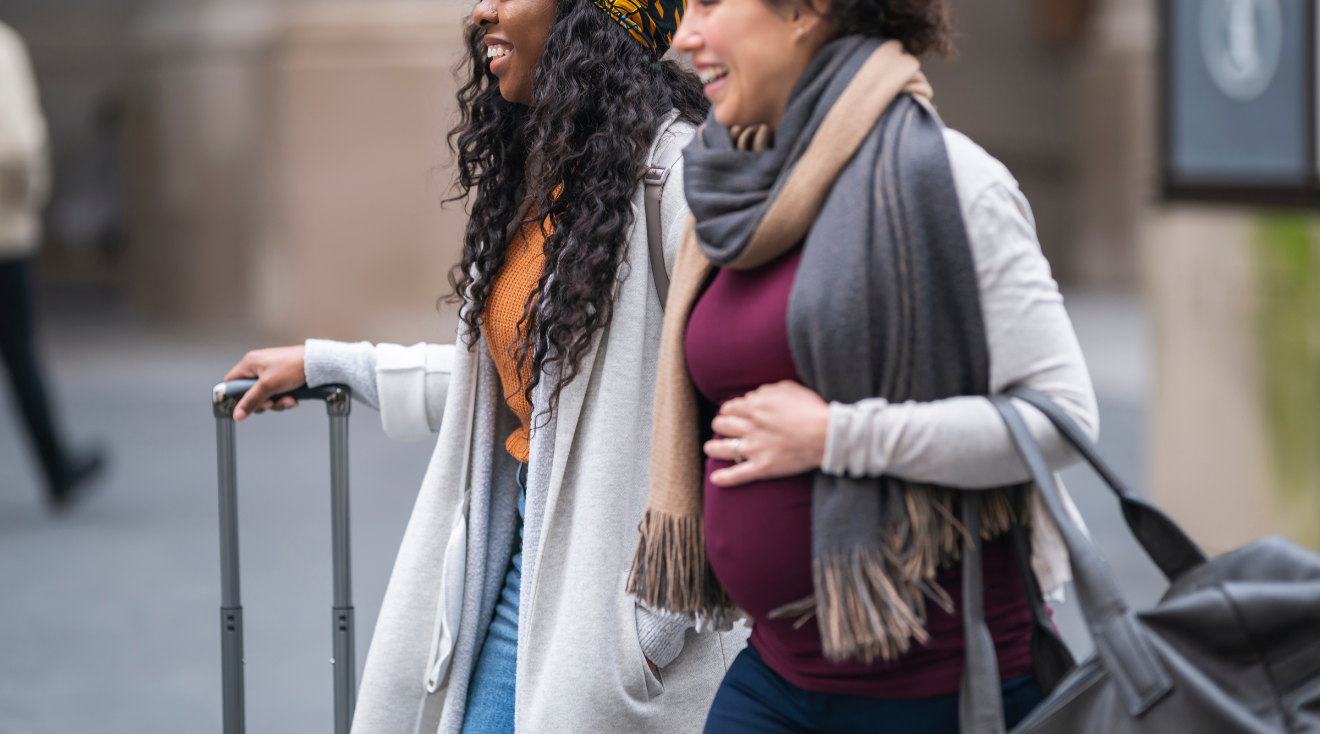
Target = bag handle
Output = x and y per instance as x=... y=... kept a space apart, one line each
x=1166 y=544
x=980 y=700
x=654 y=183
x=1125 y=652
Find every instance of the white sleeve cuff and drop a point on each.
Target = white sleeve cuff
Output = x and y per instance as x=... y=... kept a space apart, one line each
x=414 y=385
x=328 y=362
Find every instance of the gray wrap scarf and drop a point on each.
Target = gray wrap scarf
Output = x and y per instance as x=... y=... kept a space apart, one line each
x=885 y=304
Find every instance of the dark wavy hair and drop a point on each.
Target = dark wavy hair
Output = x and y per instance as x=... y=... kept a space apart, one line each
x=922 y=26
x=574 y=158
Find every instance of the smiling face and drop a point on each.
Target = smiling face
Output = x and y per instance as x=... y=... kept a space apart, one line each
x=515 y=38
x=749 y=54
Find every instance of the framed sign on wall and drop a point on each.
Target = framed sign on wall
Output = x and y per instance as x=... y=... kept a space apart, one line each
x=1239 y=101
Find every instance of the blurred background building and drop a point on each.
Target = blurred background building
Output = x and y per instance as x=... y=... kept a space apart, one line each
x=279 y=165
x=234 y=160
x=242 y=162
x=246 y=172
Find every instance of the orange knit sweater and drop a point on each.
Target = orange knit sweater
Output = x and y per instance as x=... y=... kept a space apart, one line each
x=514 y=284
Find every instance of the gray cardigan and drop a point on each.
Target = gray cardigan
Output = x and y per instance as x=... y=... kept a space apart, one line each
x=580 y=645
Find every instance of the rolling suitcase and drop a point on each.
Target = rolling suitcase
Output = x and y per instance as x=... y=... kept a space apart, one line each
x=337 y=400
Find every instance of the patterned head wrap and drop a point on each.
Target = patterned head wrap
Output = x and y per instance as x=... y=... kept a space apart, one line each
x=651 y=22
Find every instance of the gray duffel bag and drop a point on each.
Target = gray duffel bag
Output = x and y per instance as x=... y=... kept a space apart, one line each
x=1233 y=646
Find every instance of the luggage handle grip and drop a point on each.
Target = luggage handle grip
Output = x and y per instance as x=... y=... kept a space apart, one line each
x=226 y=395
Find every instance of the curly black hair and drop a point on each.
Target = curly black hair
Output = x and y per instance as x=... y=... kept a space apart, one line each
x=574 y=157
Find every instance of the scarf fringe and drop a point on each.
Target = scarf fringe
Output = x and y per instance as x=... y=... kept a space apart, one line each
x=871 y=603
x=670 y=571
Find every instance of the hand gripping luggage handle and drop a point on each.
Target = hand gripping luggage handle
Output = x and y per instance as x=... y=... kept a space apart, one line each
x=338 y=405
x=234 y=390
x=1121 y=644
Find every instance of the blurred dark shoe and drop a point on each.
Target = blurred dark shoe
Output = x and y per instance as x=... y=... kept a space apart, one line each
x=76 y=479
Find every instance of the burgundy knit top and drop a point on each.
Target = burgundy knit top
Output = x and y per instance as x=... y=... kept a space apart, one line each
x=758 y=536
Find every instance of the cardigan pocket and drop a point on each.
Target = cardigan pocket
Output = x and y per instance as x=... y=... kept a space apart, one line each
x=653 y=683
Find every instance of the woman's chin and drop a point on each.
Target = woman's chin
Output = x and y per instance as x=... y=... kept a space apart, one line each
x=725 y=114
x=734 y=118
x=515 y=98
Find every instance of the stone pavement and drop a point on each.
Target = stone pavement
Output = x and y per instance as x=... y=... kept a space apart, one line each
x=108 y=615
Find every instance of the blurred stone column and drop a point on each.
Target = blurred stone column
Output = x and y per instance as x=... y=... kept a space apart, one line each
x=290 y=162
x=355 y=243
x=197 y=153
x=1116 y=127
x=1209 y=446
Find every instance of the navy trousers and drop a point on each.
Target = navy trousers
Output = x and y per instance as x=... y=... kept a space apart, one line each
x=753 y=699
x=17 y=346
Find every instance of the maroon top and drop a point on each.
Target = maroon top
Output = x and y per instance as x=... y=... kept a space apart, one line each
x=758 y=536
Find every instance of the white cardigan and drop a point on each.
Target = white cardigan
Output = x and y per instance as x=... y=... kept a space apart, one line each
x=24 y=168
x=957 y=442
x=580 y=646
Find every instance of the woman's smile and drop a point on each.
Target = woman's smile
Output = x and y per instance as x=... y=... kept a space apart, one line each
x=713 y=78
x=498 y=52
x=513 y=37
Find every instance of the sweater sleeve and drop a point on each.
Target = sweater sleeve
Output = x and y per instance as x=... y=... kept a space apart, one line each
x=409 y=385
x=661 y=634
x=328 y=362
x=962 y=441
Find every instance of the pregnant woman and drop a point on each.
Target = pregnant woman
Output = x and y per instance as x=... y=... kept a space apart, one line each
x=856 y=279
x=506 y=610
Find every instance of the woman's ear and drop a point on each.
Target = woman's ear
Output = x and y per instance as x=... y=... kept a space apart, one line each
x=809 y=17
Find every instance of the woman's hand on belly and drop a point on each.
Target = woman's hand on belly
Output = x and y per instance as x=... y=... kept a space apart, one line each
x=773 y=431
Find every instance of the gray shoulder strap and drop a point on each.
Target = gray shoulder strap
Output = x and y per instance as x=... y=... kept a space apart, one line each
x=654 y=181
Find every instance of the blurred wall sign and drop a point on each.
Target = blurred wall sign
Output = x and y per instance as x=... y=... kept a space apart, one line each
x=1242 y=41
x=1239 y=101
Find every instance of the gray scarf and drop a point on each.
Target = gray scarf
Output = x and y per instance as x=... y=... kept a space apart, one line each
x=885 y=304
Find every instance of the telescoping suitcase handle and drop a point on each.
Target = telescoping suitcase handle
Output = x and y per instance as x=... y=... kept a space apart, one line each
x=337 y=404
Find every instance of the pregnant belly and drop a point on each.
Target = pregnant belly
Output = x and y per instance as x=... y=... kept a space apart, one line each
x=758 y=540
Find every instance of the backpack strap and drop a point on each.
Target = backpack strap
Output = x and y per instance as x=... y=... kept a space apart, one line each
x=654 y=182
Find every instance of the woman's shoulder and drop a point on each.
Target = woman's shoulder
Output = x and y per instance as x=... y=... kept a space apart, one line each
x=974 y=170
x=672 y=128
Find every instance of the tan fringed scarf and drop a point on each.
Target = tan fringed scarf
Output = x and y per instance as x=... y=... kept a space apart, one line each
x=869 y=600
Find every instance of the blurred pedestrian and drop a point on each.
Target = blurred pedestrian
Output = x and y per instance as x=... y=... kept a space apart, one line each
x=856 y=282
x=514 y=617
x=24 y=185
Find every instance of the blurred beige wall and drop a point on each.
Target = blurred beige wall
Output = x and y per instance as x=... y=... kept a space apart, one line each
x=356 y=244
x=294 y=165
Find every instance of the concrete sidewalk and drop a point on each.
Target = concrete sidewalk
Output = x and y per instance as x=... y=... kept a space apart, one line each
x=110 y=613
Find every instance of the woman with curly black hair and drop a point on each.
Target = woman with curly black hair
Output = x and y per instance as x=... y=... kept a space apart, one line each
x=856 y=281
x=506 y=610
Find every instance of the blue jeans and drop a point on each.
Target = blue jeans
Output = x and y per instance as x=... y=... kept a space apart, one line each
x=490 y=693
x=755 y=699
